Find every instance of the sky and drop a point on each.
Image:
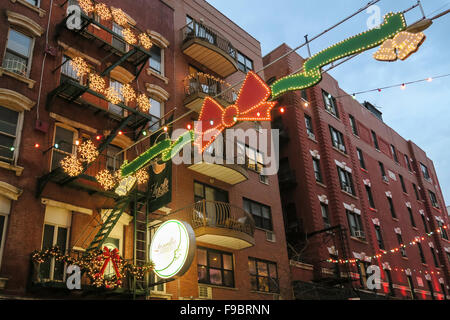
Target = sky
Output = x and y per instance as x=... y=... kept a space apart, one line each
x=420 y=113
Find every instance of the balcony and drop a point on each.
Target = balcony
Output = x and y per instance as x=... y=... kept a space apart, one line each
x=220 y=224
x=229 y=173
x=209 y=48
x=200 y=85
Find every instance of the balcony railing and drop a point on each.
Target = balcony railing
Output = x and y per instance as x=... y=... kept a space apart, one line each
x=205 y=84
x=16 y=65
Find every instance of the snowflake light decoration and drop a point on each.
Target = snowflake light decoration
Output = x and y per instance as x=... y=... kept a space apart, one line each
x=71 y=165
x=129 y=36
x=142 y=176
x=145 y=41
x=86 y=5
x=103 y=11
x=80 y=66
x=106 y=179
x=119 y=16
x=112 y=95
x=88 y=152
x=143 y=102
x=96 y=82
x=128 y=93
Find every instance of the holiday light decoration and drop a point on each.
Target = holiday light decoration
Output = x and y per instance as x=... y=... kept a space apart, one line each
x=71 y=165
x=125 y=185
x=128 y=93
x=106 y=179
x=97 y=83
x=102 y=10
x=80 y=66
x=142 y=176
x=93 y=263
x=88 y=151
x=143 y=103
x=251 y=105
x=87 y=6
x=311 y=75
x=129 y=36
x=144 y=41
x=112 y=95
x=401 y=46
x=119 y=16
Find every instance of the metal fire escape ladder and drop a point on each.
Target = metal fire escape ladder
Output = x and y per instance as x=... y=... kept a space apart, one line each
x=141 y=233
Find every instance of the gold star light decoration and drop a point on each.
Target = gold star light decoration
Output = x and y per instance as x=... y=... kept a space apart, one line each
x=128 y=93
x=97 y=83
x=102 y=10
x=129 y=36
x=119 y=16
x=112 y=95
x=143 y=103
x=106 y=179
x=80 y=66
x=71 y=165
x=87 y=151
x=86 y=5
x=145 y=41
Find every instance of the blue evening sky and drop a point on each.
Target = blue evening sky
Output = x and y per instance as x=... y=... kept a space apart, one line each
x=420 y=113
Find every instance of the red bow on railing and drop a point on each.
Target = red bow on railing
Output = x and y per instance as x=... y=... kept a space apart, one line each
x=251 y=105
x=110 y=256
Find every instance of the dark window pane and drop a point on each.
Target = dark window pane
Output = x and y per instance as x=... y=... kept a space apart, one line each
x=263 y=284
x=201 y=257
x=262 y=269
x=202 y=274
x=215 y=276
x=228 y=278
x=215 y=259
x=19 y=43
x=254 y=283
x=8 y=121
x=252 y=266
x=227 y=262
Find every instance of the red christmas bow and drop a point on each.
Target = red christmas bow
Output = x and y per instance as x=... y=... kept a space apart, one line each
x=251 y=105
x=114 y=257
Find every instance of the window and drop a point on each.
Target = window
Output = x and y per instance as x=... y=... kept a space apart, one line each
x=370 y=197
x=337 y=139
x=215 y=267
x=5 y=207
x=443 y=230
x=346 y=181
x=9 y=125
x=425 y=225
x=383 y=172
x=435 y=259
x=353 y=125
x=408 y=164
x=67 y=69
x=402 y=246
x=317 y=172
x=254 y=158
x=263 y=275
x=309 y=126
x=155 y=60
x=355 y=224
x=244 y=63
x=433 y=199
x=113 y=108
x=33 y=2
x=425 y=172
x=304 y=95
x=325 y=216
x=113 y=160
x=117 y=42
x=18 y=53
x=394 y=153
x=375 y=140
x=379 y=237
x=205 y=192
x=402 y=182
x=422 y=256
x=415 y=191
x=430 y=287
x=261 y=214
x=391 y=207
x=156 y=111
x=54 y=236
x=63 y=145
x=330 y=103
x=360 y=154
x=411 y=287
x=389 y=279
x=411 y=216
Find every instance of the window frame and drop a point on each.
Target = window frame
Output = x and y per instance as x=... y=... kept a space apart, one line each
x=257 y=217
x=353 y=125
x=433 y=199
x=394 y=153
x=258 y=166
x=375 y=140
x=348 y=180
x=358 y=226
x=3 y=234
x=52 y=261
x=327 y=97
x=256 y=274
x=17 y=137
x=152 y=126
x=370 y=197
x=309 y=125
x=425 y=172
x=340 y=139
x=325 y=215
x=408 y=164
x=222 y=268
x=161 y=62
x=245 y=68
x=411 y=217
x=360 y=155
x=29 y=59
x=401 y=244
x=75 y=137
x=317 y=170
x=402 y=182
x=392 y=207
x=379 y=236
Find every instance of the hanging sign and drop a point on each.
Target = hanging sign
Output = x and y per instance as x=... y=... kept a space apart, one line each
x=172 y=249
x=160 y=186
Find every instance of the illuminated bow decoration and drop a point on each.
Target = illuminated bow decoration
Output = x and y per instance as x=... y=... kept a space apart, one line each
x=113 y=256
x=251 y=105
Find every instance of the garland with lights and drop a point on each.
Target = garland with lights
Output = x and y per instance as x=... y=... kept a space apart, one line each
x=94 y=264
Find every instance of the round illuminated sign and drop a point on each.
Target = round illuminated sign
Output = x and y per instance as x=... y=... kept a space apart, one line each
x=172 y=249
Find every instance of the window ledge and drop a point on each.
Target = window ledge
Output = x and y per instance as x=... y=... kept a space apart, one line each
x=364 y=170
x=405 y=258
x=314 y=140
x=18 y=170
x=38 y=10
x=415 y=228
x=359 y=240
x=395 y=219
x=28 y=81
x=373 y=209
x=356 y=136
x=216 y=286
x=321 y=184
x=150 y=72
x=341 y=152
x=331 y=114
x=349 y=194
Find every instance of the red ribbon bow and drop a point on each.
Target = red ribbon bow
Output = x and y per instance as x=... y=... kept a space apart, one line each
x=251 y=105
x=114 y=257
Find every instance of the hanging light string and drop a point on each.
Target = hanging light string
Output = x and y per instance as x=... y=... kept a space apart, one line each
x=391 y=251
x=399 y=85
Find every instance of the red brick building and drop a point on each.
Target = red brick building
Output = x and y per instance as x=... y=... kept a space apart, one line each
x=47 y=110
x=352 y=187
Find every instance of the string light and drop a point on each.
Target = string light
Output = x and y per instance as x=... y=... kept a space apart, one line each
x=128 y=93
x=144 y=41
x=37 y=145
x=129 y=36
x=403 y=86
x=102 y=10
x=88 y=152
x=98 y=137
x=282 y=110
x=86 y=5
x=80 y=66
x=119 y=16
x=97 y=83
x=71 y=165
x=106 y=179
x=143 y=103
x=112 y=95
